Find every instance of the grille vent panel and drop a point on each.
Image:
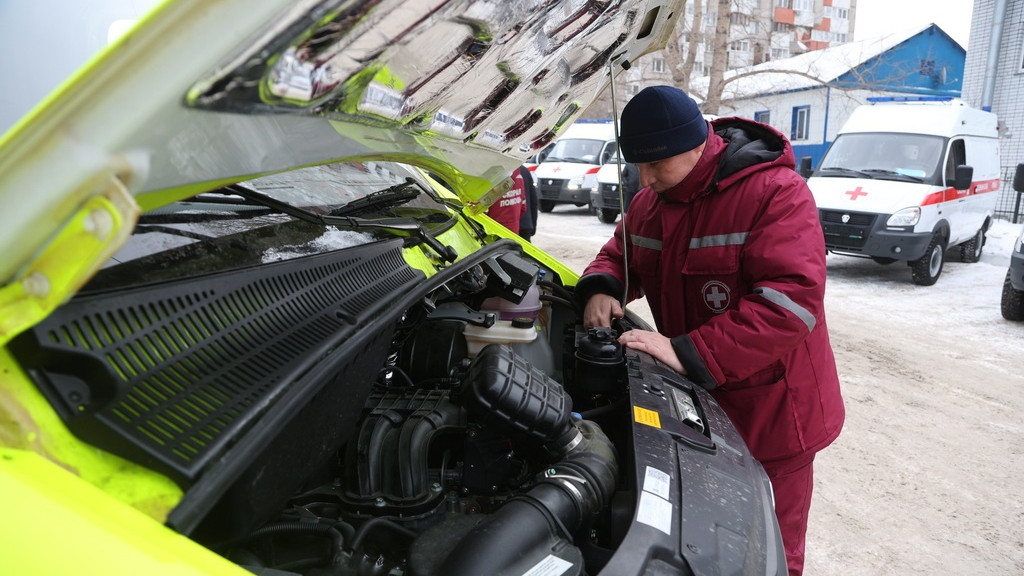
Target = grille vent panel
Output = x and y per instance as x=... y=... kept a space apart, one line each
x=168 y=375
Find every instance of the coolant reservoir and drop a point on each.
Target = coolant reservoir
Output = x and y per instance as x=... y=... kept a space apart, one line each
x=501 y=332
x=529 y=307
x=523 y=334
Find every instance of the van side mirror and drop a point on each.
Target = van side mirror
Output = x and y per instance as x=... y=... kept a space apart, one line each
x=1018 y=178
x=805 y=167
x=963 y=176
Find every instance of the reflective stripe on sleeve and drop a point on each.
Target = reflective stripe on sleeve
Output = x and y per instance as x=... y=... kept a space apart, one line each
x=783 y=301
x=643 y=242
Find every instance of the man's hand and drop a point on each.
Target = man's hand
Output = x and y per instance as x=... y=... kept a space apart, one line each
x=654 y=344
x=600 y=310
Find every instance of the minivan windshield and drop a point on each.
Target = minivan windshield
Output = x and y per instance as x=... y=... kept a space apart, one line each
x=892 y=156
x=579 y=150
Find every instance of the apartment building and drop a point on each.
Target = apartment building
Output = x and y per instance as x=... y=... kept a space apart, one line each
x=759 y=31
x=994 y=79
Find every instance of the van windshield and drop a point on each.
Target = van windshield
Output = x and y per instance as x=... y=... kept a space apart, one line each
x=579 y=150
x=884 y=155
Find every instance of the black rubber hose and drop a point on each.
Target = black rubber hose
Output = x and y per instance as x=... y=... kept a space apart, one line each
x=570 y=494
x=562 y=290
x=311 y=528
x=556 y=300
x=297 y=527
x=373 y=523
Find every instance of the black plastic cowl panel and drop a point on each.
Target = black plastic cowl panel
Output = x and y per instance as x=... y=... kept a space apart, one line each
x=170 y=375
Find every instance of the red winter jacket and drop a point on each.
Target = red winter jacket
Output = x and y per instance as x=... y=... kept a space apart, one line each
x=509 y=209
x=732 y=261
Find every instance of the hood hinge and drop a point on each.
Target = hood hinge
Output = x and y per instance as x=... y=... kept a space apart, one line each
x=88 y=239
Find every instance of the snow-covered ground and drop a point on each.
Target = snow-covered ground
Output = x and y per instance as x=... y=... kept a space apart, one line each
x=928 y=473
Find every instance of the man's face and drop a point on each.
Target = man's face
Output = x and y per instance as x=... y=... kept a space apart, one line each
x=664 y=174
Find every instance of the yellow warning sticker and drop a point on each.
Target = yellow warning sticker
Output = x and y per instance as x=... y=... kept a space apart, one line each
x=645 y=416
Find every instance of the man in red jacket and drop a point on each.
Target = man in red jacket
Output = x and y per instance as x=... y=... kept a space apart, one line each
x=724 y=241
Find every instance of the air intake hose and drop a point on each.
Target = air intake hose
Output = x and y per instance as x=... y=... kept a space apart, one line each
x=504 y=387
x=567 y=495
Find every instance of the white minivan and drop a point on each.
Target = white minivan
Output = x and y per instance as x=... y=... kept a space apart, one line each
x=906 y=179
x=569 y=171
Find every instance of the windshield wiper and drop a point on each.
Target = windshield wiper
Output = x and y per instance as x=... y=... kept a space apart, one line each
x=387 y=198
x=401 y=227
x=845 y=172
x=892 y=175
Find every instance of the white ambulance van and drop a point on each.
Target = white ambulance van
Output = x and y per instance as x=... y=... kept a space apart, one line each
x=569 y=171
x=605 y=200
x=908 y=178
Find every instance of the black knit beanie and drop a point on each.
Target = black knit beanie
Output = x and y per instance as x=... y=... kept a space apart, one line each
x=660 y=122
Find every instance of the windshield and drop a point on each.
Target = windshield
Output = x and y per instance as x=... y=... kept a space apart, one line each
x=612 y=156
x=329 y=188
x=896 y=156
x=579 y=150
x=248 y=224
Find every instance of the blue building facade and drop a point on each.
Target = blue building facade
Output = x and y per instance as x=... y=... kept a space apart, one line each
x=809 y=97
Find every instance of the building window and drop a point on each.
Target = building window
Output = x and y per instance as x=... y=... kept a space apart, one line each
x=840 y=13
x=763 y=116
x=737 y=19
x=632 y=89
x=740 y=46
x=658 y=65
x=781 y=27
x=801 y=123
x=779 y=53
x=821 y=35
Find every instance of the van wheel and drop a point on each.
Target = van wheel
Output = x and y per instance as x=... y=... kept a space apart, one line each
x=607 y=215
x=547 y=205
x=1012 y=305
x=970 y=251
x=925 y=270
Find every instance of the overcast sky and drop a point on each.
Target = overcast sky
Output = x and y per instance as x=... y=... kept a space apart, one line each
x=879 y=17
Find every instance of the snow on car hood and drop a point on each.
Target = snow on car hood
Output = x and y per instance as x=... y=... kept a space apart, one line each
x=202 y=94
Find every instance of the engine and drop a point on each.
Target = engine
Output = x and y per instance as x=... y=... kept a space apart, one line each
x=490 y=444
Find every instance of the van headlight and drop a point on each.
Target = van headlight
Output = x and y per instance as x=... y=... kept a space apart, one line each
x=1020 y=242
x=575 y=183
x=905 y=217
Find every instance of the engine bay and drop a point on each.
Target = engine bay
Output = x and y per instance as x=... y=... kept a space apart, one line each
x=467 y=425
x=470 y=455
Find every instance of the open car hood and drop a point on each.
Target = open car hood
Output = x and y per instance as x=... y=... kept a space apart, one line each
x=202 y=94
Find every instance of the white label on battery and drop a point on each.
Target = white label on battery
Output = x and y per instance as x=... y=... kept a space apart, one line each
x=550 y=566
x=657 y=482
x=655 y=511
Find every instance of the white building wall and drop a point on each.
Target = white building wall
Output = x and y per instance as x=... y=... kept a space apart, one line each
x=1007 y=102
x=829 y=109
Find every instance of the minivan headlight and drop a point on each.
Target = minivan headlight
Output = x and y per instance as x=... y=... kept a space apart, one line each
x=905 y=217
x=1020 y=242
